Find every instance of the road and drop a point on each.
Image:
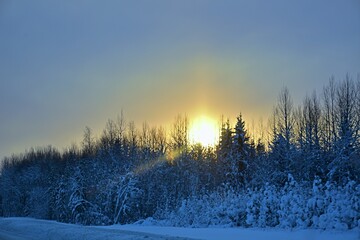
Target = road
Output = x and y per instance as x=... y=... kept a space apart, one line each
x=34 y=229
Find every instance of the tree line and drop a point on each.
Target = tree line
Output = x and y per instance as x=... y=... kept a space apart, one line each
x=132 y=173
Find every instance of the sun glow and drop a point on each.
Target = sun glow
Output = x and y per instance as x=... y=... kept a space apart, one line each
x=203 y=130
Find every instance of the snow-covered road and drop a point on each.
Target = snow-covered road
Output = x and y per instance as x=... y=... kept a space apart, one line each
x=34 y=229
x=216 y=233
x=28 y=228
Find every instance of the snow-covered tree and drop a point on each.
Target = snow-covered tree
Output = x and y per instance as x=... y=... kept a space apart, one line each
x=240 y=152
x=122 y=198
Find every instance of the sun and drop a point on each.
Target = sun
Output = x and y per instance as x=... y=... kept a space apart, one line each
x=203 y=130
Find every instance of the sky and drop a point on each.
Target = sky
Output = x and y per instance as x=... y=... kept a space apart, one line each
x=68 y=64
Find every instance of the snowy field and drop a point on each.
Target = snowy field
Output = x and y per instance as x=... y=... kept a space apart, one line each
x=28 y=228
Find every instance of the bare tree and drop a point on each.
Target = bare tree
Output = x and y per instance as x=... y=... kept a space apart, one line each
x=120 y=127
x=299 y=127
x=179 y=133
x=330 y=116
x=158 y=140
x=346 y=104
x=109 y=136
x=345 y=163
x=145 y=136
x=357 y=111
x=316 y=118
x=132 y=135
x=88 y=143
x=311 y=116
x=284 y=118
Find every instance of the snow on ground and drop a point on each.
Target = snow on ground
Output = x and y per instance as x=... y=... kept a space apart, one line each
x=31 y=229
x=216 y=233
x=28 y=228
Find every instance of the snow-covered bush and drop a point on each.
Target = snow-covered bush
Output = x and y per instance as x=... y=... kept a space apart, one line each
x=225 y=208
x=252 y=207
x=341 y=209
x=269 y=206
x=293 y=206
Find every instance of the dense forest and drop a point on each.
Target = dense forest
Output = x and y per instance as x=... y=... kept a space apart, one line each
x=307 y=175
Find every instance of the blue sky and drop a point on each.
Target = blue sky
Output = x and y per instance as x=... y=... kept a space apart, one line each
x=68 y=64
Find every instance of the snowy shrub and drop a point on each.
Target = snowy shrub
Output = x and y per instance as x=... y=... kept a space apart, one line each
x=332 y=206
x=226 y=209
x=235 y=211
x=350 y=205
x=292 y=205
x=342 y=210
x=262 y=207
x=315 y=204
x=252 y=208
x=268 y=207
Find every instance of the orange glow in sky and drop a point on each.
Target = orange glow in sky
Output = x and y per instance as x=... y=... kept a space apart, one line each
x=70 y=64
